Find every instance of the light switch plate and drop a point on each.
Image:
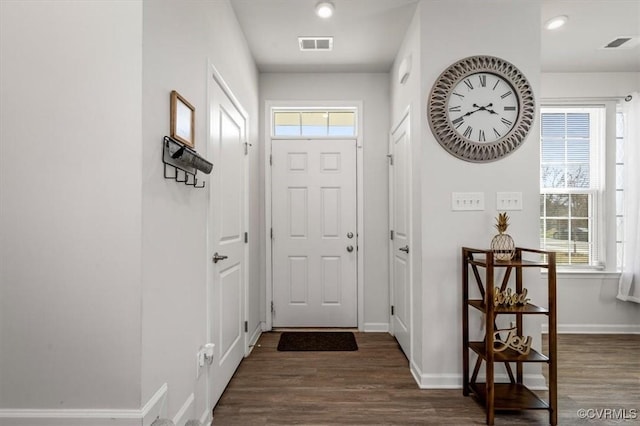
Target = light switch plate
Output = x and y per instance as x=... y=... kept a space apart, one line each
x=467 y=201
x=508 y=201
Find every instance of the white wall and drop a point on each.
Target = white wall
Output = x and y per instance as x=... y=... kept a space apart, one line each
x=449 y=31
x=587 y=301
x=179 y=40
x=373 y=91
x=70 y=205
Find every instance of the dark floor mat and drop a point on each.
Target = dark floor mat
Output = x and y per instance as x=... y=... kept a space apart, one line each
x=317 y=341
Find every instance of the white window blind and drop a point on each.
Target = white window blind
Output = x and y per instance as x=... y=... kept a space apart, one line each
x=570 y=183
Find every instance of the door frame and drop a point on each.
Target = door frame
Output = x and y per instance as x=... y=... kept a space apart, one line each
x=218 y=79
x=269 y=106
x=405 y=116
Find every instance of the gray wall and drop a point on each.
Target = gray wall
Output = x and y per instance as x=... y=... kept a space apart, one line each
x=179 y=40
x=70 y=215
x=373 y=91
x=449 y=31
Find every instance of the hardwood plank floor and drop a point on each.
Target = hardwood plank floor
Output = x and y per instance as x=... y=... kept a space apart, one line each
x=373 y=386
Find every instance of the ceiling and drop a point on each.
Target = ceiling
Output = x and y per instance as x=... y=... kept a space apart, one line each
x=368 y=33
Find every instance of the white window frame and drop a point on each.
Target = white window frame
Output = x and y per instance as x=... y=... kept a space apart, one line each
x=604 y=221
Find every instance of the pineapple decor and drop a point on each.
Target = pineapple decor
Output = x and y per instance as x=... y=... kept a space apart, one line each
x=502 y=245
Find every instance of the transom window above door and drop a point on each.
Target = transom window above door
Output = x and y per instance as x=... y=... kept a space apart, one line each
x=313 y=122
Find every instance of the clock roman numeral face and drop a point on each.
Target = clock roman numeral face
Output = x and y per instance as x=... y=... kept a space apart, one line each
x=483 y=107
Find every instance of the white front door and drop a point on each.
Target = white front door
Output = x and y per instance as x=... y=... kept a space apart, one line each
x=314 y=233
x=400 y=245
x=226 y=227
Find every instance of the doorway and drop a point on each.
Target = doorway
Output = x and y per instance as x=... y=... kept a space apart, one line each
x=226 y=243
x=314 y=284
x=400 y=226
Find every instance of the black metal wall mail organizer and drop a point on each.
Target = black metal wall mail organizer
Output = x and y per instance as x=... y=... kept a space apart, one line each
x=180 y=157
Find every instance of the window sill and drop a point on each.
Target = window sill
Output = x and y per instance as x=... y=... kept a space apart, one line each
x=584 y=273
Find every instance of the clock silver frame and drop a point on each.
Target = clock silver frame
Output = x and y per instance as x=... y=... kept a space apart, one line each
x=443 y=129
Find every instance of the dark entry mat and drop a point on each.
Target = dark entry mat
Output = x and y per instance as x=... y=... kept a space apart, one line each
x=317 y=341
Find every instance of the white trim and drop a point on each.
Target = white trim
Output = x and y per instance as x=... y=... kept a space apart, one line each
x=255 y=335
x=454 y=381
x=358 y=105
x=376 y=327
x=415 y=372
x=153 y=409
x=188 y=404
x=594 y=329
x=206 y=417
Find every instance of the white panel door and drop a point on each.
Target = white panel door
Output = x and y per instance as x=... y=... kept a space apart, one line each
x=400 y=245
x=226 y=226
x=314 y=233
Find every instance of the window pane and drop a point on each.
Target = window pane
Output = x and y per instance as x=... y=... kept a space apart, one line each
x=578 y=125
x=619 y=203
x=619 y=229
x=619 y=176
x=342 y=123
x=620 y=253
x=580 y=230
x=315 y=123
x=553 y=125
x=286 y=124
x=578 y=176
x=580 y=205
x=552 y=176
x=552 y=150
x=578 y=150
x=619 y=150
x=619 y=124
x=557 y=205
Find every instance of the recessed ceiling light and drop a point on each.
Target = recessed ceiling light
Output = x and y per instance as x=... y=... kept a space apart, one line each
x=324 y=9
x=556 y=22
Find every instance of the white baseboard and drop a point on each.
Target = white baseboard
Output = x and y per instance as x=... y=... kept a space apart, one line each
x=376 y=327
x=454 y=381
x=205 y=417
x=185 y=412
x=156 y=407
x=255 y=335
x=153 y=409
x=594 y=329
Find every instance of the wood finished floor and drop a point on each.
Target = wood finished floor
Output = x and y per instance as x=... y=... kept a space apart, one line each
x=373 y=386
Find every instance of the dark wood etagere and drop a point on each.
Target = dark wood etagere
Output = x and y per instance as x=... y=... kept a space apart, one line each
x=513 y=395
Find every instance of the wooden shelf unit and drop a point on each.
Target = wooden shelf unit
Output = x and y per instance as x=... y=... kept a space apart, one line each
x=513 y=395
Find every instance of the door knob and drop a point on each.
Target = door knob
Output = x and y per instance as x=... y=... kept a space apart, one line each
x=404 y=249
x=349 y=249
x=349 y=235
x=217 y=257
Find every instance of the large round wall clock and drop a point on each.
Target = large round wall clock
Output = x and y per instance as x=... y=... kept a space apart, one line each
x=481 y=108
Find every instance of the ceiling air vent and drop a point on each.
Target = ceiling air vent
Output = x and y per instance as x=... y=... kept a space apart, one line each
x=315 y=43
x=623 y=42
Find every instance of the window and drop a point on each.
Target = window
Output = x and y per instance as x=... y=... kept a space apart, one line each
x=570 y=183
x=314 y=122
x=620 y=141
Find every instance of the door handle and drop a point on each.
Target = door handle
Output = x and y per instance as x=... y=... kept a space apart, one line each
x=349 y=249
x=217 y=257
x=404 y=249
x=349 y=235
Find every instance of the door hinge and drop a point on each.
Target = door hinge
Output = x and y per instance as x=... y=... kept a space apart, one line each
x=270 y=160
x=391 y=234
x=392 y=310
x=273 y=310
x=246 y=326
x=390 y=156
x=246 y=237
x=246 y=148
x=272 y=233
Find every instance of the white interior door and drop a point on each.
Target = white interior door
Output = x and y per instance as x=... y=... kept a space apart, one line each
x=400 y=267
x=226 y=226
x=314 y=233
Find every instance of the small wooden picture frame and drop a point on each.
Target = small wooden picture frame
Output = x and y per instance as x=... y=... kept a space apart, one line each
x=183 y=118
